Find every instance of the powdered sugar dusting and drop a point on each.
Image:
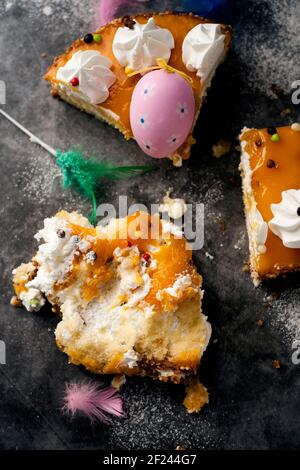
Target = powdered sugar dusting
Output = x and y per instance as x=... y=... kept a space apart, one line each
x=268 y=60
x=285 y=315
x=40 y=180
x=53 y=8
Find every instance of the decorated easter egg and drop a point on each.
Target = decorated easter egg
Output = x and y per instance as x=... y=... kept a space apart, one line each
x=162 y=112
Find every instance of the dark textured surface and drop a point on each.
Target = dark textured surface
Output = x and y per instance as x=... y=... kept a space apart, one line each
x=252 y=404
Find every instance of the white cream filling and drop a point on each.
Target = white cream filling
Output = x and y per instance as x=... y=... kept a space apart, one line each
x=257 y=228
x=55 y=256
x=181 y=283
x=33 y=300
x=130 y=359
x=77 y=98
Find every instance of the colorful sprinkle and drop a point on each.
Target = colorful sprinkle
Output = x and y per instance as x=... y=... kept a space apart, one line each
x=74 y=81
x=272 y=130
x=61 y=233
x=88 y=38
x=97 y=38
x=275 y=138
x=128 y=22
x=146 y=257
x=271 y=163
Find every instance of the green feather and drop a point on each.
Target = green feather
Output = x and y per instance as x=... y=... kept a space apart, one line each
x=79 y=172
x=84 y=174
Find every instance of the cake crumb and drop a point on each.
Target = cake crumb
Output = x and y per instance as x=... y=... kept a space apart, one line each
x=276 y=364
x=276 y=90
x=180 y=448
x=222 y=225
x=276 y=295
x=54 y=93
x=47 y=10
x=196 y=395
x=175 y=208
x=286 y=112
x=221 y=148
x=118 y=381
x=246 y=267
x=15 y=302
x=260 y=322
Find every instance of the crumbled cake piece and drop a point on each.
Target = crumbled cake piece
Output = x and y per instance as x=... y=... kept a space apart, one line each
x=15 y=302
x=118 y=381
x=196 y=395
x=222 y=147
x=135 y=309
x=276 y=364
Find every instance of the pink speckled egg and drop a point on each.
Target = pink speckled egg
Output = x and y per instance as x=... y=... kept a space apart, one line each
x=162 y=112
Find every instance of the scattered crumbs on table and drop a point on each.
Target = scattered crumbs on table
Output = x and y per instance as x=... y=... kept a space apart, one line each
x=220 y=148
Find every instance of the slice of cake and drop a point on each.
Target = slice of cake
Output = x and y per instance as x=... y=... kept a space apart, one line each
x=270 y=163
x=128 y=295
x=95 y=73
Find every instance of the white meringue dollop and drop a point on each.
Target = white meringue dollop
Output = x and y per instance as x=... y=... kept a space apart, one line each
x=260 y=228
x=286 y=221
x=93 y=72
x=139 y=47
x=203 y=48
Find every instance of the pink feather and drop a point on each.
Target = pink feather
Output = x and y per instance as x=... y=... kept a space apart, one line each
x=93 y=401
x=107 y=10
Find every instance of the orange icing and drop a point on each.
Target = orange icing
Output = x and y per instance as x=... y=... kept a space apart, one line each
x=268 y=184
x=121 y=92
x=173 y=258
x=20 y=287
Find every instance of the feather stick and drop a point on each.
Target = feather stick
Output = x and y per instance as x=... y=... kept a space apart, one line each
x=93 y=401
x=80 y=173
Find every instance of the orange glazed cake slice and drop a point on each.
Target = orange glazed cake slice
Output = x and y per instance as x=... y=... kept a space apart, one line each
x=95 y=73
x=270 y=163
x=129 y=302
